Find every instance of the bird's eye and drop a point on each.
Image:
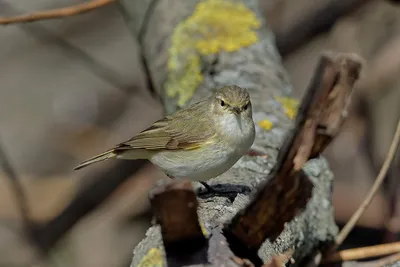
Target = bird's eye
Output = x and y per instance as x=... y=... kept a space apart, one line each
x=246 y=106
x=222 y=103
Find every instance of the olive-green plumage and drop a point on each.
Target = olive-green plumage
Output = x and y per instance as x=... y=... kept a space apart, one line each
x=198 y=142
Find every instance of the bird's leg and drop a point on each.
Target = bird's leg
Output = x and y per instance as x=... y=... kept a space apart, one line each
x=229 y=191
x=221 y=190
x=209 y=188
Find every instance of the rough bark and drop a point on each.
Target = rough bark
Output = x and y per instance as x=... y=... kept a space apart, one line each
x=258 y=68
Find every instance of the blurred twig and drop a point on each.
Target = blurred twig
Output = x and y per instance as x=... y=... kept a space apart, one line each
x=17 y=188
x=309 y=22
x=382 y=174
x=56 y=13
x=44 y=35
x=101 y=186
x=140 y=36
x=386 y=261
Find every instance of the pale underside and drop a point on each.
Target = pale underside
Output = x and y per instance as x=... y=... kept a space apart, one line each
x=198 y=151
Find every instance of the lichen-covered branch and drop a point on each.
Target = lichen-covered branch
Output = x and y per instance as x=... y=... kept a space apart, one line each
x=194 y=47
x=278 y=199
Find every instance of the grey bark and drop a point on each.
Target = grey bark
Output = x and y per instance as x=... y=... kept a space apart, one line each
x=259 y=69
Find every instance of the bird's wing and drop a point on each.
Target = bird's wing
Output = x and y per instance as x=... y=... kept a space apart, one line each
x=182 y=130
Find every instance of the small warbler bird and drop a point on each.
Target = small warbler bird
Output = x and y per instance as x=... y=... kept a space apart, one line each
x=199 y=142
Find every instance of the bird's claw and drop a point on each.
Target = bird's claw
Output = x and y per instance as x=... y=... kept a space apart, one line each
x=229 y=191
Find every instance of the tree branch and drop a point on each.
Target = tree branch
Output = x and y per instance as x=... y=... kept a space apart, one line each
x=185 y=68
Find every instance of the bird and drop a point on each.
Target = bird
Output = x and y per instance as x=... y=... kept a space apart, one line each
x=199 y=142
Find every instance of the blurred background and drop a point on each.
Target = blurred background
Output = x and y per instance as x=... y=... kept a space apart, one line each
x=73 y=87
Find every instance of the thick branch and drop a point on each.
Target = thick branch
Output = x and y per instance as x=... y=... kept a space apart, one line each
x=194 y=47
x=288 y=189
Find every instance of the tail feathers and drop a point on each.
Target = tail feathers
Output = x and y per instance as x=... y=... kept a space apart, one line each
x=104 y=156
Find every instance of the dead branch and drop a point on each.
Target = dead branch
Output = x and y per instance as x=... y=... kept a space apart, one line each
x=318 y=122
x=56 y=13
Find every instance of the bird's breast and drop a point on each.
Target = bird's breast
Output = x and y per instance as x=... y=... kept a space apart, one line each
x=231 y=142
x=238 y=132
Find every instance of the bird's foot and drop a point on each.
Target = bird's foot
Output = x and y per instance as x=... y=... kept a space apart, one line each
x=229 y=191
x=209 y=189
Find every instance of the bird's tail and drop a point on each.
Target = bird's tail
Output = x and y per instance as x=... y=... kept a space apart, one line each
x=103 y=156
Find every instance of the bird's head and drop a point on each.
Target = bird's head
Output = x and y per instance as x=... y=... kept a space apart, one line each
x=232 y=100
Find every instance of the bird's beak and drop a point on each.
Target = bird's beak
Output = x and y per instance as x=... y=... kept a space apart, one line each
x=235 y=110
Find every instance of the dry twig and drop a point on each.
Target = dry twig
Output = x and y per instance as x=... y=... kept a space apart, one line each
x=56 y=13
x=378 y=263
x=363 y=253
x=382 y=174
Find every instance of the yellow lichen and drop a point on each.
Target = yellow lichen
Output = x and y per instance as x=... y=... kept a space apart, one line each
x=214 y=26
x=290 y=106
x=203 y=229
x=153 y=258
x=265 y=124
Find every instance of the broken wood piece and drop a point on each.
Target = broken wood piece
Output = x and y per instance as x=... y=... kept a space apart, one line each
x=336 y=102
x=330 y=104
x=174 y=205
x=287 y=189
